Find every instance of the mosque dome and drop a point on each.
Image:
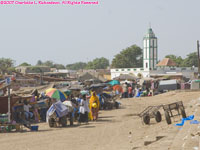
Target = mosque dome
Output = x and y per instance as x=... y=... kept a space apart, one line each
x=150 y=34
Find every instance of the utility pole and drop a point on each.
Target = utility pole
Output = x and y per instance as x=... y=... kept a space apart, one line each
x=8 y=83
x=9 y=113
x=198 y=60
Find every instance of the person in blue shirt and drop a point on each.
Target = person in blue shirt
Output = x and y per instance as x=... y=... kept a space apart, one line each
x=100 y=100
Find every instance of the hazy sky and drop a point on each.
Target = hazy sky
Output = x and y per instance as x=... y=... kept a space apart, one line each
x=67 y=34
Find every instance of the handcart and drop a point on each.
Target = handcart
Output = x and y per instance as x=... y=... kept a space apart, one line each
x=151 y=112
x=170 y=108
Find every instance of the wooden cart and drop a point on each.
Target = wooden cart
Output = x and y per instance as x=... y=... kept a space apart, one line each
x=151 y=112
x=169 y=110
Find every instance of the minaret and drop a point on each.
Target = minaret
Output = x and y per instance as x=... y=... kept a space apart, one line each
x=150 y=50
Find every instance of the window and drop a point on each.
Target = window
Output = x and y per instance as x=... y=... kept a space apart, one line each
x=146 y=65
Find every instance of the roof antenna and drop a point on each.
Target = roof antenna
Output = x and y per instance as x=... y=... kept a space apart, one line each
x=149 y=24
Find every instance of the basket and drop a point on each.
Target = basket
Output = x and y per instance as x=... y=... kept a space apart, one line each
x=34 y=128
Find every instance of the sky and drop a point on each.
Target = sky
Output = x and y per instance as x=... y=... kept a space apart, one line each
x=71 y=33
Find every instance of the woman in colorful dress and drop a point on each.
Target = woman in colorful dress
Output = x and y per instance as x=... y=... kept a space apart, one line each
x=94 y=106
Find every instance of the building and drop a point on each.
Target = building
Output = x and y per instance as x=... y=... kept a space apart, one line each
x=32 y=69
x=166 y=62
x=150 y=58
x=151 y=67
x=150 y=50
x=100 y=74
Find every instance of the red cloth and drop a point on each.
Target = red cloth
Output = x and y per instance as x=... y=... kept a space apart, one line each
x=117 y=88
x=130 y=90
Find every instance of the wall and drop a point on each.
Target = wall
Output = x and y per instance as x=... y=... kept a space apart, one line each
x=186 y=72
x=27 y=69
x=116 y=72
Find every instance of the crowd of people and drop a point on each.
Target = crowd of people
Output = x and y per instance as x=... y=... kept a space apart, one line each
x=25 y=110
x=132 y=90
x=86 y=108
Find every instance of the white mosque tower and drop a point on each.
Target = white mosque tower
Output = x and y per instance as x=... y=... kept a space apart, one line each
x=150 y=51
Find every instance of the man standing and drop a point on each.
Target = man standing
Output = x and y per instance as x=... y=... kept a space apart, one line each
x=84 y=109
x=125 y=90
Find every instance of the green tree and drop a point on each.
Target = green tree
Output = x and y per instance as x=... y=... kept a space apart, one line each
x=191 y=60
x=98 y=63
x=6 y=63
x=172 y=57
x=25 y=64
x=10 y=70
x=36 y=69
x=76 y=66
x=177 y=59
x=39 y=63
x=130 y=57
x=48 y=63
x=58 y=66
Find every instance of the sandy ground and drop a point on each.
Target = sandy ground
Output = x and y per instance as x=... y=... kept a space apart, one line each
x=118 y=129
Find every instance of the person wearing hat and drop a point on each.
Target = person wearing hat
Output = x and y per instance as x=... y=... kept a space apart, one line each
x=94 y=106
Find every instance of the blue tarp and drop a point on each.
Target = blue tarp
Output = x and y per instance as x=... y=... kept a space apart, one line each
x=61 y=109
x=194 y=122
x=139 y=94
x=114 y=82
x=185 y=119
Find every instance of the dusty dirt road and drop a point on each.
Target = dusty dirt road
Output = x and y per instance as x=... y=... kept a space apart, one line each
x=118 y=129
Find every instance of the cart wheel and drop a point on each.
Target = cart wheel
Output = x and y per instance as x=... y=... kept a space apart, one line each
x=183 y=112
x=63 y=121
x=158 y=116
x=146 y=119
x=71 y=119
x=51 y=122
x=167 y=117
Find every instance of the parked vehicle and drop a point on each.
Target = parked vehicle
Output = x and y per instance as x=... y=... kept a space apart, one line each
x=167 y=85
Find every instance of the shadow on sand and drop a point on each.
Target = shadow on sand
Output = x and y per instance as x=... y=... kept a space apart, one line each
x=106 y=117
x=150 y=142
x=88 y=126
x=130 y=115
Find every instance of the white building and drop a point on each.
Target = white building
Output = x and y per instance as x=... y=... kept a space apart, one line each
x=150 y=51
x=150 y=59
